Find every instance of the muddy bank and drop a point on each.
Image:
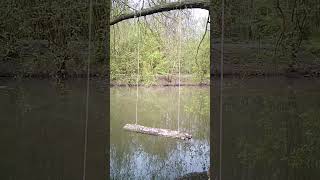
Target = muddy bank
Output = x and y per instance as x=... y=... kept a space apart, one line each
x=229 y=71
x=39 y=59
x=36 y=59
x=269 y=70
x=162 y=80
x=251 y=59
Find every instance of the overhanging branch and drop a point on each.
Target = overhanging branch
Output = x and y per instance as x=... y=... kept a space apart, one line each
x=186 y=4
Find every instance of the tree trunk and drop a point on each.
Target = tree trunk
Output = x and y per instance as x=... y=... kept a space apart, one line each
x=187 y=4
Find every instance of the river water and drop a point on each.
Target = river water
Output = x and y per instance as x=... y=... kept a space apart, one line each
x=137 y=156
x=270 y=130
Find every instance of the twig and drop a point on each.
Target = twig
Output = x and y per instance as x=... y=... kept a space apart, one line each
x=202 y=39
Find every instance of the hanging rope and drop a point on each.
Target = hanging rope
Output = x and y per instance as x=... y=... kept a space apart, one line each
x=138 y=66
x=137 y=87
x=179 y=62
x=221 y=83
x=87 y=95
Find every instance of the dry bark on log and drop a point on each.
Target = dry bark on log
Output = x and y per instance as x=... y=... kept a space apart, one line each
x=157 y=131
x=203 y=4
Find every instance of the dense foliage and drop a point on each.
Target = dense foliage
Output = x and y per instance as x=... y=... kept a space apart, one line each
x=52 y=36
x=287 y=28
x=157 y=48
x=49 y=33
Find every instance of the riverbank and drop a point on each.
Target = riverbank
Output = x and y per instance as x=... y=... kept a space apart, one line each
x=173 y=80
x=35 y=59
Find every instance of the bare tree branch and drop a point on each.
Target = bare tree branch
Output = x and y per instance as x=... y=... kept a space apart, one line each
x=205 y=32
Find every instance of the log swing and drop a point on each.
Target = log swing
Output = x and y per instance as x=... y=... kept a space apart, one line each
x=177 y=134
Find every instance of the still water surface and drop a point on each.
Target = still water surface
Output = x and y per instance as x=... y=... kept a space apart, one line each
x=137 y=156
x=271 y=130
x=42 y=130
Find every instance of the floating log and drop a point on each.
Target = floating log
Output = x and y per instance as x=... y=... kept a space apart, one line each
x=157 y=131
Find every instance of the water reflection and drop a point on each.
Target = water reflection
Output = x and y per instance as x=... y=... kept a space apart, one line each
x=271 y=129
x=41 y=130
x=137 y=156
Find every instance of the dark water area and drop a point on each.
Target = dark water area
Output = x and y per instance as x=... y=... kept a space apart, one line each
x=271 y=130
x=42 y=130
